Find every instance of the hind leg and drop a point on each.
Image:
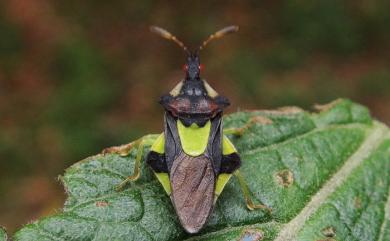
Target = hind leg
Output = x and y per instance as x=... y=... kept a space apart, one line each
x=247 y=195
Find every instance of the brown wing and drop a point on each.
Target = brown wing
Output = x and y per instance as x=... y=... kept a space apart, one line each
x=193 y=183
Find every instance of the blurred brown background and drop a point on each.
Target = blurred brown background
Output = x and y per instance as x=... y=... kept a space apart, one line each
x=78 y=76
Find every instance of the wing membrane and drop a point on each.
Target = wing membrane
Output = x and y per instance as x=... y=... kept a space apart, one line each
x=193 y=183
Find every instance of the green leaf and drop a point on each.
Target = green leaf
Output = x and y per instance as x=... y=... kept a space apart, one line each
x=325 y=175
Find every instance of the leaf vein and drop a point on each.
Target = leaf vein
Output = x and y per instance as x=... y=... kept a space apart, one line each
x=386 y=218
x=376 y=135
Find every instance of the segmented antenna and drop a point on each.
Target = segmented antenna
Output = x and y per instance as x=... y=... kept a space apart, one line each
x=219 y=34
x=167 y=35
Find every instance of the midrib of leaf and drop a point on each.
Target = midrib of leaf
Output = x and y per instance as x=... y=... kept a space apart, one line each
x=386 y=218
x=375 y=137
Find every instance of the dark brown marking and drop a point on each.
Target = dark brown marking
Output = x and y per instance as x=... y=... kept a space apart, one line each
x=252 y=235
x=329 y=232
x=193 y=182
x=357 y=203
x=101 y=203
x=328 y=106
x=285 y=178
x=261 y=120
x=202 y=105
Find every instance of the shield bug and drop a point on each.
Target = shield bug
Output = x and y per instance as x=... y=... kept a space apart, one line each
x=192 y=158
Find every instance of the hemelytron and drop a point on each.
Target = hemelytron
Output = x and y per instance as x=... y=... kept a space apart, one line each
x=192 y=159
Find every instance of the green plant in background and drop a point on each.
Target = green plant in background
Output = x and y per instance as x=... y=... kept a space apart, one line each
x=84 y=92
x=324 y=174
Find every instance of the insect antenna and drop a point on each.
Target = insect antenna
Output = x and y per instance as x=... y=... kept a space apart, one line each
x=219 y=34
x=167 y=35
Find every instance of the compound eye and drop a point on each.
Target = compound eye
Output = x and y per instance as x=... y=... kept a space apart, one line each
x=201 y=67
x=185 y=67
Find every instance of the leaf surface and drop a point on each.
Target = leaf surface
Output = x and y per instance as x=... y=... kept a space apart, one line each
x=324 y=174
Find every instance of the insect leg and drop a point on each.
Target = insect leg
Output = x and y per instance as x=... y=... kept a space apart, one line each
x=239 y=131
x=246 y=192
x=125 y=150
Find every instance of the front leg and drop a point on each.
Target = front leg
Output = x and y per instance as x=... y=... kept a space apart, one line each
x=124 y=150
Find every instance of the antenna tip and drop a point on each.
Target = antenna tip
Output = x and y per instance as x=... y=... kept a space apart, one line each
x=227 y=30
x=235 y=28
x=160 y=31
